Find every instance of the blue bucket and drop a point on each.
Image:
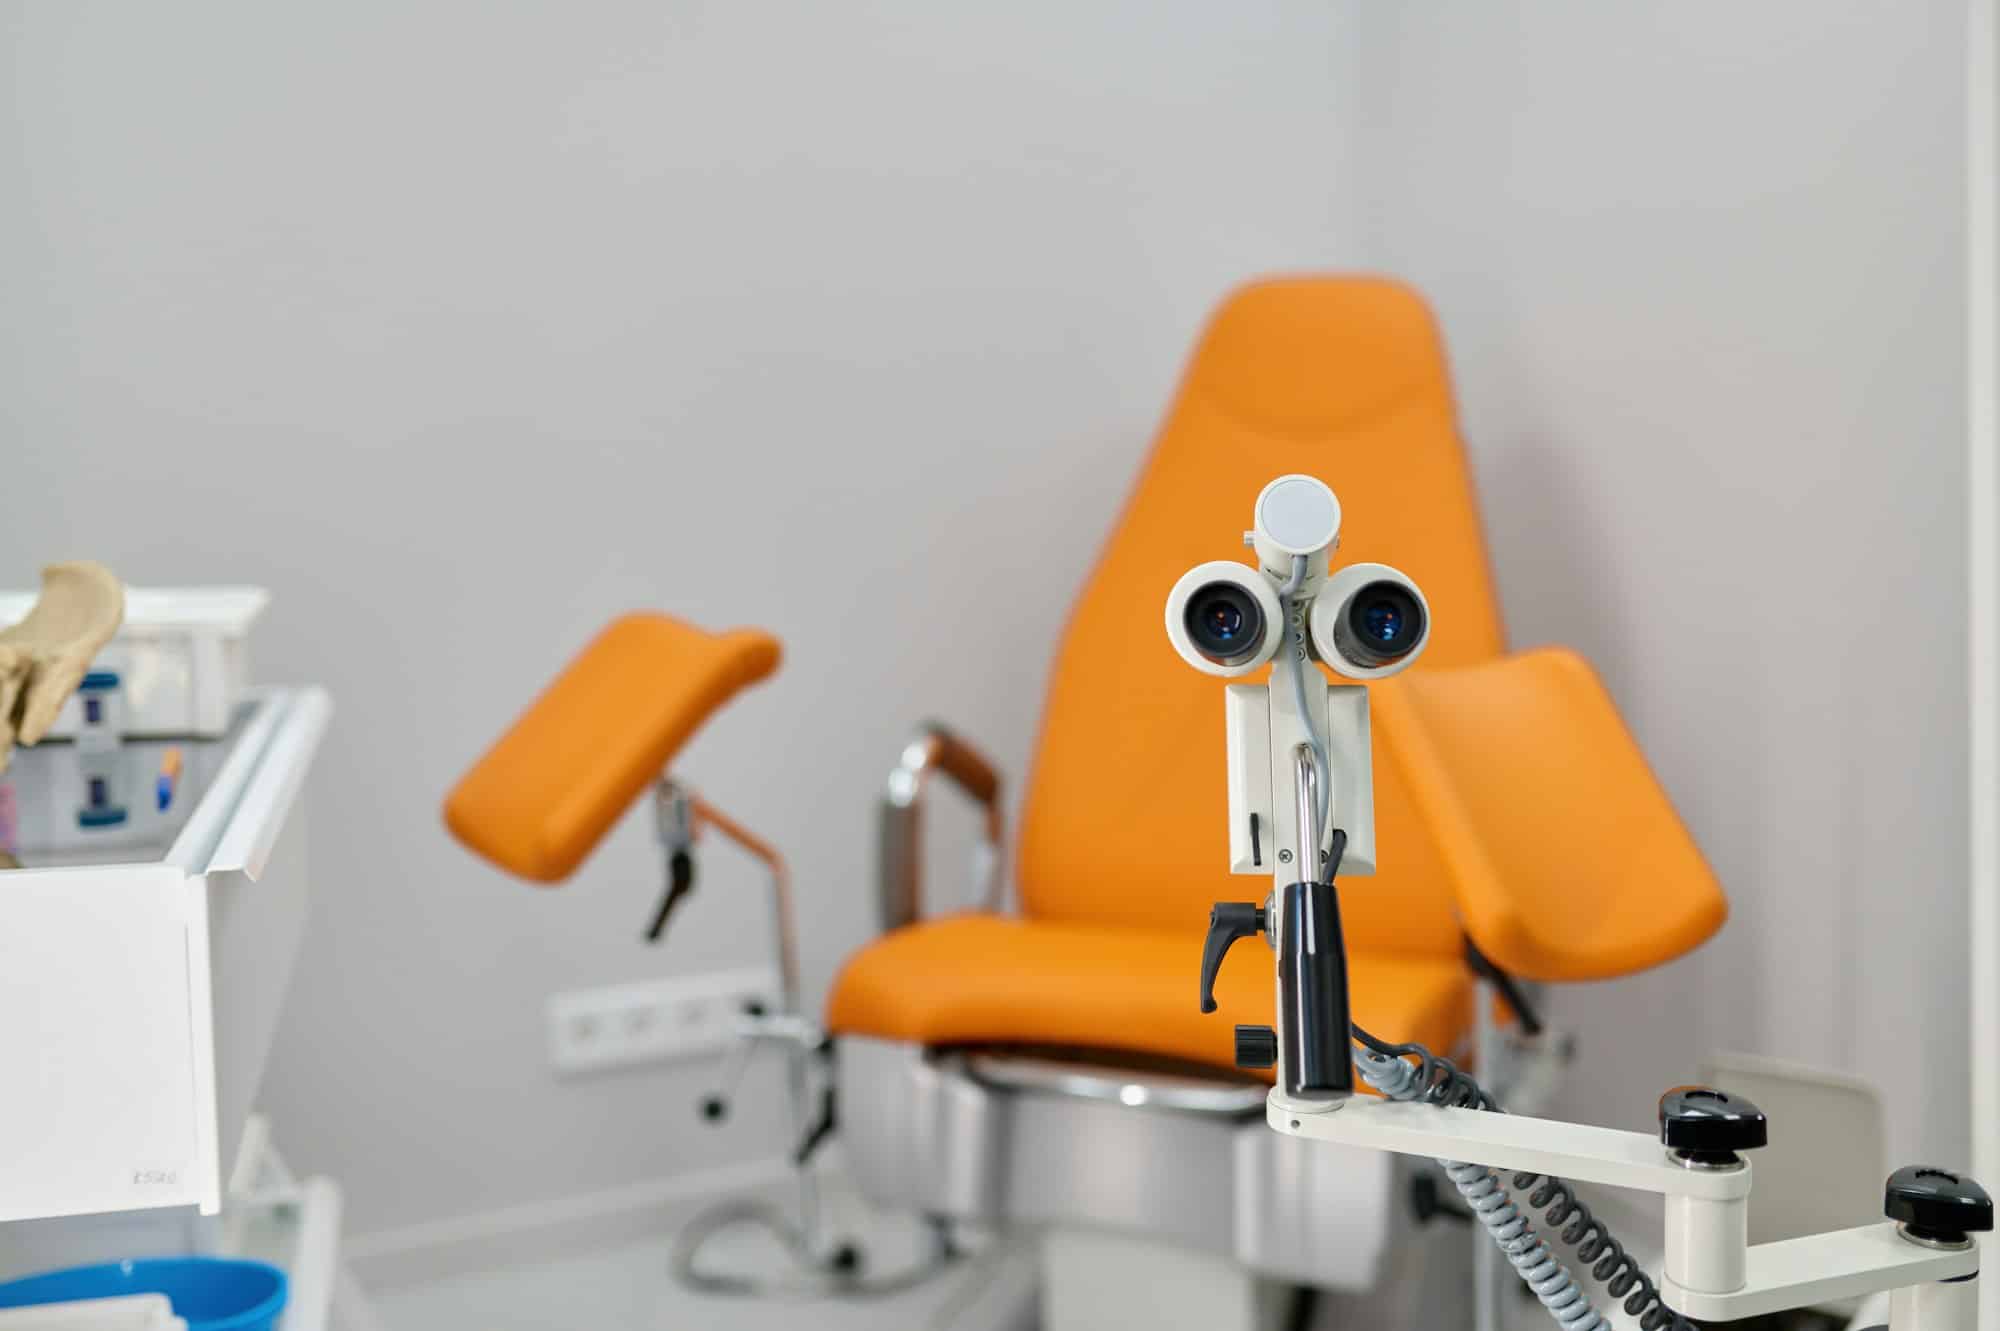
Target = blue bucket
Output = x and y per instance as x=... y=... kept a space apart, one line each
x=209 y=1293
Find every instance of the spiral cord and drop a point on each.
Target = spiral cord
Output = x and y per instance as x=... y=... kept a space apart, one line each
x=1438 y=1081
x=1605 y=1257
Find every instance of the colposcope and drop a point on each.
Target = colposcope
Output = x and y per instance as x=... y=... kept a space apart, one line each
x=1301 y=784
x=1301 y=809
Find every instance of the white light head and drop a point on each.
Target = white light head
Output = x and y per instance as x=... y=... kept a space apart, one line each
x=1224 y=618
x=1370 y=621
x=1296 y=515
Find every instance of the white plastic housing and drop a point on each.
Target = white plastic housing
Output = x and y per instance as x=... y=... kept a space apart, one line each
x=1260 y=589
x=1343 y=719
x=1296 y=515
x=1708 y=1239
x=1331 y=606
x=1936 y=1305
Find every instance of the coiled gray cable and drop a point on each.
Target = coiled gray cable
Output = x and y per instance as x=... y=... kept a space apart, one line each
x=1539 y=1268
x=1437 y=1081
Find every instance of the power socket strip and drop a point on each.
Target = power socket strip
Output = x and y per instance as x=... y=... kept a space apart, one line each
x=653 y=1021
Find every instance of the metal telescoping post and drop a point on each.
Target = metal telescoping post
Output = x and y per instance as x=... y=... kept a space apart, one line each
x=799 y=1055
x=1941 y=1305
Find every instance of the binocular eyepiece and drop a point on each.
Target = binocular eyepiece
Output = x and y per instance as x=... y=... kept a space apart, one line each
x=1225 y=623
x=1366 y=620
x=1224 y=618
x=1369 y=621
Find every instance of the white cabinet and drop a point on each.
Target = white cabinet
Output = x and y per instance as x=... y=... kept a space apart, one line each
x=138 y=998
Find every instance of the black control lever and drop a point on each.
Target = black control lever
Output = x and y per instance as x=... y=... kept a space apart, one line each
x=680 y=883
x=1228 y=922
x=821 y=1129
x=1312 y=987
x=1312 y=981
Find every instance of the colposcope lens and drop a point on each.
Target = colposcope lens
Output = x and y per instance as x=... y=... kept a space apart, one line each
x=1224 y=623
x=1383 y=624
x=1383 y=621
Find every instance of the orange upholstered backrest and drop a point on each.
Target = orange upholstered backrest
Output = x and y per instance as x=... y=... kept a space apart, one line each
x=1342 y=378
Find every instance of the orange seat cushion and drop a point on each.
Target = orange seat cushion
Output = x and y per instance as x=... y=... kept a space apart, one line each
x=985 y=979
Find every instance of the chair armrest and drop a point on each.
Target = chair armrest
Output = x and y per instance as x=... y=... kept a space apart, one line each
x=935 y=749
x=1565 y=856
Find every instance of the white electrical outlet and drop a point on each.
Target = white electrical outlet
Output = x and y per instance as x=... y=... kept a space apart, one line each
x=591 y=1030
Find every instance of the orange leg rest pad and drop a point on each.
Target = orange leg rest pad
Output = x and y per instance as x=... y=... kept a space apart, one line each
x=549 y=789
x=1565 y=856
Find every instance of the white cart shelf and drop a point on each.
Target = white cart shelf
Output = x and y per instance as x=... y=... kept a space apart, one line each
x=138 y=999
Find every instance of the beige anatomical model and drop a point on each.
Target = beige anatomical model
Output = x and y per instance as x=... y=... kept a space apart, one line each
x=45 y=656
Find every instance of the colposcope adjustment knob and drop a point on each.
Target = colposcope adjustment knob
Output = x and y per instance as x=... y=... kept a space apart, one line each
x=1705 y=1126
x=1938 y=1205
x=1228 y=922
x=1256 y=1047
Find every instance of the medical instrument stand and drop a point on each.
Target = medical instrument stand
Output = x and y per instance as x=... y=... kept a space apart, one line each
x=680 y=817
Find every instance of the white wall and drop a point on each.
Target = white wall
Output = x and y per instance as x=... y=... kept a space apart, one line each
x=1982 y=219
x=465 y=326
x=1701 y=267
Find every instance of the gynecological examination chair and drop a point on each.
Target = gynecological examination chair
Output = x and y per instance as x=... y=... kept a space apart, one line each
x=1044 y=1068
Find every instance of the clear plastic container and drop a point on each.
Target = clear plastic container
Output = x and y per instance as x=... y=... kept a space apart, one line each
x=100 y=751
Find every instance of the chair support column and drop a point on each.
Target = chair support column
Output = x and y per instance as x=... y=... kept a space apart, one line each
x=1092 y=1279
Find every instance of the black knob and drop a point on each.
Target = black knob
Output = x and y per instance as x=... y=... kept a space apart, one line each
x=1937 y=1204
x=845 y=1259
x=1256 y=1047
x=1708 y=1126
x=714 y=1108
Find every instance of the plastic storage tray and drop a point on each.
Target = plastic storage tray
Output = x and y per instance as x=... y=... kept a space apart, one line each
x=182 y=657
x=138 y=997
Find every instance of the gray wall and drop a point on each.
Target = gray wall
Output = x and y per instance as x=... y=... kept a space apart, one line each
x=466 y=326
x=1701 y=269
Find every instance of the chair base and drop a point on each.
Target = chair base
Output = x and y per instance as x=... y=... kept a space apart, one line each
x=1092 y=1279
x=921 y=1131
